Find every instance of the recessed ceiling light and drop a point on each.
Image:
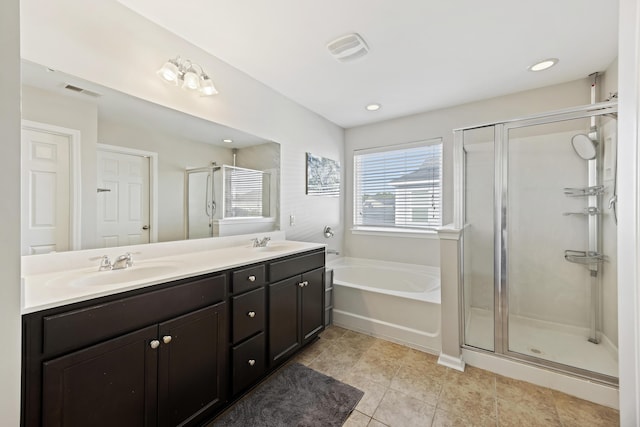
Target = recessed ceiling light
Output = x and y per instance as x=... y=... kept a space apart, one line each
x=373 y=107
x=227 y=140
x=543 y=65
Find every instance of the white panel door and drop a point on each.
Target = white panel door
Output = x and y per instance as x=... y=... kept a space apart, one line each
x=123 y=199
x=45 y=192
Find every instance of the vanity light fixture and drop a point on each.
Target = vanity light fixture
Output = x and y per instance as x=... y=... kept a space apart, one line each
x=373 y=107
x=543 y=65
x=190 y=75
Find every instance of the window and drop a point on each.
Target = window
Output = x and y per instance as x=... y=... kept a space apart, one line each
x=246 y=192
x=399 y=186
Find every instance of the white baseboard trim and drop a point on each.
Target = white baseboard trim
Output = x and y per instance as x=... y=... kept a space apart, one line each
x=451 y=362
x=413 y=338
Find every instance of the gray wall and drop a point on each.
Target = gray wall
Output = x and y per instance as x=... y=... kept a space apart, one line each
x=10 y=212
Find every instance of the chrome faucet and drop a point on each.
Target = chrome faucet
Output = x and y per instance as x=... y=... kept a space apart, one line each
x=105 y=263
x=122 y=262
x=260 y=243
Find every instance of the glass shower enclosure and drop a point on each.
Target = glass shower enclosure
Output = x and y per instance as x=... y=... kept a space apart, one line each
x=536 y=200
x=216 y=195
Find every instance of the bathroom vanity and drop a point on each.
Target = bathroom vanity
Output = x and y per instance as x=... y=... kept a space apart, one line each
x=170 y=352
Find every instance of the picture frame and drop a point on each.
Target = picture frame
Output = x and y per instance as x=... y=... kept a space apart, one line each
x=322 y=177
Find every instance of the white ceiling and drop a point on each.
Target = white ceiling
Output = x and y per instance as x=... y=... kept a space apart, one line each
x=424 y=54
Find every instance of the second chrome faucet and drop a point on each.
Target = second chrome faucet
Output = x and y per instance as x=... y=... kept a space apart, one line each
x=121 y=262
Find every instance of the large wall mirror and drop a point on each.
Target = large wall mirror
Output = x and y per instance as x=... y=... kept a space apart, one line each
x=101 y=168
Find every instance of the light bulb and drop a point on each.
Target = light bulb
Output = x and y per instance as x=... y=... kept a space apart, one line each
x=543 y=65
x=169 y=72
x=191 y=80
x=207 y=88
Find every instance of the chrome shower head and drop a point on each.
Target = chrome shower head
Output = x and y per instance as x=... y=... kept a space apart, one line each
x=584 y=146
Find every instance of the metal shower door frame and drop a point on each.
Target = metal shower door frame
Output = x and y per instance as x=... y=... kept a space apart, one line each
x=500 y=220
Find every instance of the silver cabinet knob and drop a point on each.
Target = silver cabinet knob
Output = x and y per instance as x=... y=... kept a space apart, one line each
x=154 y=344
x=251 y=314
x=251 y=278
x=301 y=284
x=166 y=339
x=251 y=362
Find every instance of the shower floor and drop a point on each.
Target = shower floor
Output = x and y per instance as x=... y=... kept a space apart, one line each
x=550 y=341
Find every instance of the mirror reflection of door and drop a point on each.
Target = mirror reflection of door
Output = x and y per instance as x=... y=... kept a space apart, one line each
x=123 y=199
x=47 y=190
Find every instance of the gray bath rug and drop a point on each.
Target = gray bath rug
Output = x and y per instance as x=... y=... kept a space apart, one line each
x=293 y=396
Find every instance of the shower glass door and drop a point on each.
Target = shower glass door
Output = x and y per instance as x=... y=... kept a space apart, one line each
x=479 y=164
x=199 y=202
x=559 y=281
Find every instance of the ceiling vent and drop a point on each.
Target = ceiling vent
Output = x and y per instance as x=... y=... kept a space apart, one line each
x=349 y=47
x=81 y=90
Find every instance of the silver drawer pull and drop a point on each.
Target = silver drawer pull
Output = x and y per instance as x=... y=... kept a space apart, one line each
x=154 y=344
x=251 y=314
x=251 y=362
x=251 y=278
x=166 y=339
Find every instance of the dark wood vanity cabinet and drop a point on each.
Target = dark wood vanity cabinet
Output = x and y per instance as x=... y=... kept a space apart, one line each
x=296 y=304
x=173 y=354
x=156 y=358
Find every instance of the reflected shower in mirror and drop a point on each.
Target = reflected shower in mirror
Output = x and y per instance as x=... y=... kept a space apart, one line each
x=102 y=168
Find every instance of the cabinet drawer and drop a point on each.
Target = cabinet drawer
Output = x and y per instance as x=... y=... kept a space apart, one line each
x=248 y=361
x=96 y=323
x=248 y=314
x=290 y=267
x=247 y=278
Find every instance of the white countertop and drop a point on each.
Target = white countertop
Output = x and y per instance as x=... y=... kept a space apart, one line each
x=41 y=291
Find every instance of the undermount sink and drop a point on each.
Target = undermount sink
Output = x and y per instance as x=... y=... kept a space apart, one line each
x=139 y=271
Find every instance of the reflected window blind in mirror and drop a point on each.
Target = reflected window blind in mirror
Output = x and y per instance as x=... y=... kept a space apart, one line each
x=399 y=186
x=246 y=192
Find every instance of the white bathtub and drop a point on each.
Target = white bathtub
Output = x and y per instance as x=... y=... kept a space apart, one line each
x=395 y=301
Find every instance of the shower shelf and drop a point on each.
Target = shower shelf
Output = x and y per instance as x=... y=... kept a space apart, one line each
x=596 y=190
x=583 y=257
x=588 y=211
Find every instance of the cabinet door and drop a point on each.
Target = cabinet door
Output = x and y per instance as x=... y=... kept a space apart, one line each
x=312 y=304
x=192 y=365
x=109 y=384
x=284 y=330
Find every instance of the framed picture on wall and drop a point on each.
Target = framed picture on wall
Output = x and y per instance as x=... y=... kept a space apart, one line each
x=323 y=176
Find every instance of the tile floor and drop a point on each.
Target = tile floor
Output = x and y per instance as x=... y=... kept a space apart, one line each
x=405 y=387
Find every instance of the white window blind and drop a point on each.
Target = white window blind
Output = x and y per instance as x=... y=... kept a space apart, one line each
x=244 y=192
x=399 y=187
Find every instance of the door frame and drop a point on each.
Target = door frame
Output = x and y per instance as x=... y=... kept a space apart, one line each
x=153 y=182
x=75 y=202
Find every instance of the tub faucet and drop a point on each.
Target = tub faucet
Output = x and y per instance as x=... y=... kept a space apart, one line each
x=332 y=251
x=122 y=262
x=260 y=243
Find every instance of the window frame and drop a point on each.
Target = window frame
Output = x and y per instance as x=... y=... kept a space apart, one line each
x=399 y=231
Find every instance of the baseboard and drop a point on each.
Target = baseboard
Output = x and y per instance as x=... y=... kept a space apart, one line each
x=451 y=362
